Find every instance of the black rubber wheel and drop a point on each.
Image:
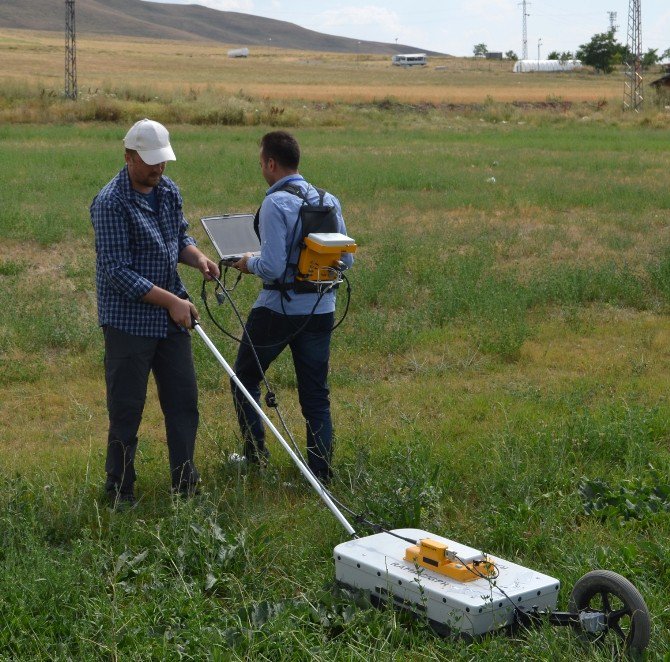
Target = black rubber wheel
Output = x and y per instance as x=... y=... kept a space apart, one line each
x=628 y=624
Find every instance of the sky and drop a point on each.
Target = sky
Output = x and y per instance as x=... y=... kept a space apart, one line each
x=455 y=26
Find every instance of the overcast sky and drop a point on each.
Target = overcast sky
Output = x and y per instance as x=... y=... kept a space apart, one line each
x=455 y=26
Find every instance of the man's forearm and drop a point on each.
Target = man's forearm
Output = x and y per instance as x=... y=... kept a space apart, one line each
x=160 y=297
x=191 y=256
x=180 y=310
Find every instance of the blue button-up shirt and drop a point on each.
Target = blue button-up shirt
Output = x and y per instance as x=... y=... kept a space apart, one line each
x=137 y=248
x=280 y=241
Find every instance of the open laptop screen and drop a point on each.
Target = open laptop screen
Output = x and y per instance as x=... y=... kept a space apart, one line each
x=232 y=235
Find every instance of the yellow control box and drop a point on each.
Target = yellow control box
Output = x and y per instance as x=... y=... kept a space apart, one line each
x=436 y=556
x=319 y=259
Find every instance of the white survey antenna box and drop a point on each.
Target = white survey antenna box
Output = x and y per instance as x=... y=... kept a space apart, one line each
x=331 y=238
x=376 y=563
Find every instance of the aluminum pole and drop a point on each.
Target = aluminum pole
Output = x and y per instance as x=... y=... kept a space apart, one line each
x=304 y=470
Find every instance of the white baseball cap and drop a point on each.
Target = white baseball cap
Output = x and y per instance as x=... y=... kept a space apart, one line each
x=151 y=140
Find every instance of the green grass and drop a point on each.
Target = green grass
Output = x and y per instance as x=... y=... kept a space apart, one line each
x=506 y=342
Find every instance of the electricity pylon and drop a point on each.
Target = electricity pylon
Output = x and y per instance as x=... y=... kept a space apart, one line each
x=632 y=89
x=524 y=32
x=70 y=52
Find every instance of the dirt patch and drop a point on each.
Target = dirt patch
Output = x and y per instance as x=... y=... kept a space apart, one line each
x=46 y=260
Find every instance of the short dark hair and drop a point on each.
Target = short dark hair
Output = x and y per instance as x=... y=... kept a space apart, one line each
x=282 y=147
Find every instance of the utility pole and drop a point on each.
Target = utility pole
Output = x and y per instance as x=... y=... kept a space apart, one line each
x=70 y=52
x=524 y=31
x=632 y=89
x=539 y=43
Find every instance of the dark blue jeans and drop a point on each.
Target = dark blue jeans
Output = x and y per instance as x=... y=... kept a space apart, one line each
x=270 y=333
x=128 y=361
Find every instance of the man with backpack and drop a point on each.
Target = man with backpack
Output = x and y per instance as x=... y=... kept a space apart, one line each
x=284 y=314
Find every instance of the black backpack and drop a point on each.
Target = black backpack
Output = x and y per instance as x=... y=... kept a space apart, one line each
x=318 y=217
x=314 y=218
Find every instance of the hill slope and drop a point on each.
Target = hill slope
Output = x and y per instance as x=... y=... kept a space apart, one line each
x=134 y=18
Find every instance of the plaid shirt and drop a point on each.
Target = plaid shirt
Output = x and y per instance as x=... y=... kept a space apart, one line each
x=136 y=249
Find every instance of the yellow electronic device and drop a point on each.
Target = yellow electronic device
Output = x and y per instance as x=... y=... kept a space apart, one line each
x=319 y=261
x=435 y=556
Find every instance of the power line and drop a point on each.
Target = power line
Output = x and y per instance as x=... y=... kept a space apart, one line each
x=70 y=52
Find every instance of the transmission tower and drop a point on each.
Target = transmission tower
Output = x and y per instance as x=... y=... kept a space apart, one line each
x=524 y=33
x=70 y=52
x=632 y=91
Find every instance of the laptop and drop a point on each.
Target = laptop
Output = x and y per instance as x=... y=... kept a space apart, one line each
x=232 y=235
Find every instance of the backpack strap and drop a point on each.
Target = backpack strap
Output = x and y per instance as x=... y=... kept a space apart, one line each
x=294 y=190
x=297 y=191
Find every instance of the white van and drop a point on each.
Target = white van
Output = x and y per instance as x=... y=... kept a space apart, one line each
x=409 y=60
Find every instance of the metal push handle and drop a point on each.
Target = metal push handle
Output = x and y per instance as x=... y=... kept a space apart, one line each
x=303 y=469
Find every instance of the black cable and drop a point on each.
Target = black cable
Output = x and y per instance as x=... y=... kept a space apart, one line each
x=241 y=341
x=491 y=581
x=224 y=269
x=270 y=397
x=245 y=332
x=359 y=518
x=346 y=305
x=203 y=296
x=377 y=528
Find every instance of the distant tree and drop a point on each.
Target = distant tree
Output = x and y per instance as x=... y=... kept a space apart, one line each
x=665 y=55
x=480 y=50
x=602 y=52
x=565 y=56
x=511 y=55
x=650 y=58
x=622 y=55
x=554 y=55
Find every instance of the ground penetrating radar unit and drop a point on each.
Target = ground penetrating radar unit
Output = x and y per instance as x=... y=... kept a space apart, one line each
x=464 y=599
x=457 y=588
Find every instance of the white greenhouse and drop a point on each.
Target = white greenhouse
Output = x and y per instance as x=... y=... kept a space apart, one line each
x=524 y=66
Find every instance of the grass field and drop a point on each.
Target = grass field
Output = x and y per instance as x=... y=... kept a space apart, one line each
x=501 y=378
x=182 y=69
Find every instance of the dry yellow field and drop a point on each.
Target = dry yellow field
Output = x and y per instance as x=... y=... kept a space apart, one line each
x=183 y=67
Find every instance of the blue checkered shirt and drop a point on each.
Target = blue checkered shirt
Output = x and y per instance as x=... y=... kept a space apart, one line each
x=136 y=249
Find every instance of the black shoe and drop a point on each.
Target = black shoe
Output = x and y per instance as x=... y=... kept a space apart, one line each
x=324 y=479
x=257 y=456
x=324 y=476
x=121 y=500
x=186 y=491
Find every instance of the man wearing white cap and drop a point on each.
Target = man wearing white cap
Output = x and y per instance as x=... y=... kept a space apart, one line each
x=143 y=309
